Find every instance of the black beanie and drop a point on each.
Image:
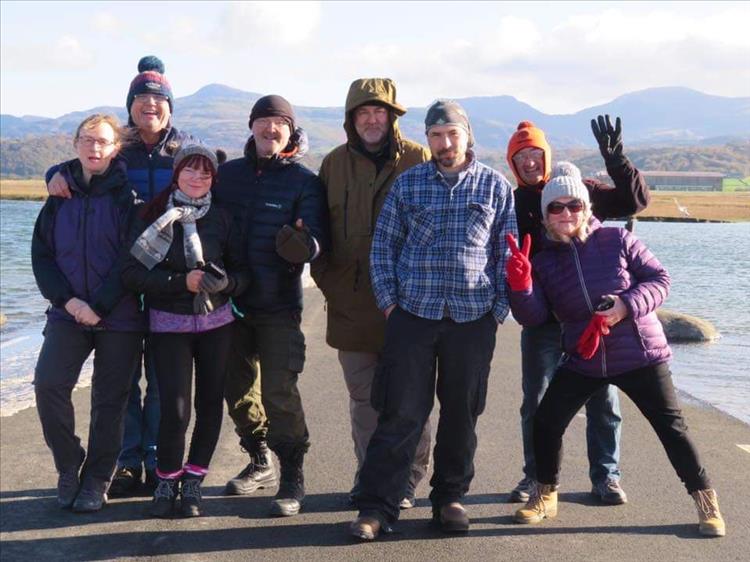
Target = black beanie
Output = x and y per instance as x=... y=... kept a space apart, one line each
x=272 y=106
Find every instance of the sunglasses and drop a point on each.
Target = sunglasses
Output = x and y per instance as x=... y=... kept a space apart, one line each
x=574 y=206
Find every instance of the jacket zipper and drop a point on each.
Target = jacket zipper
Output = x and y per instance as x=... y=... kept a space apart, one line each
x=85 y=247
x=346 y=213
x=588 y=303
x=357 y=273
x=150 y=176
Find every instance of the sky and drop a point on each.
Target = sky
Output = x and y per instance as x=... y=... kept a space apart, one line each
x=560 y=57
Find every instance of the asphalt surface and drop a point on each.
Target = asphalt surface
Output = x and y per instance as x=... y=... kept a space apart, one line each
x=658 y=523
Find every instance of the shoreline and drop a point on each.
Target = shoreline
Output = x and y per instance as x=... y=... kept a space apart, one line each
x=665 y=206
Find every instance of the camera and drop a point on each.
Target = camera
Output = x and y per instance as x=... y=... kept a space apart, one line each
x=605 y=304
x=214 y=270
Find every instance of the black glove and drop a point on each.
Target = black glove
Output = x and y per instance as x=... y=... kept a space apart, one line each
x=608 y=137
x=202 y=304
x=295 y=245
x=211 y=284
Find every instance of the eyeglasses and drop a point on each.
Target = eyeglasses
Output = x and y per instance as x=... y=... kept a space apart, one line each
x=264 y=122
x=574 y=206
x=528 y=154
x=156 y=98
x=196 y=174
x=91 y=141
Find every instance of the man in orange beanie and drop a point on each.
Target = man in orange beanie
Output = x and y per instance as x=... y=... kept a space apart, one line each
x=529 y=156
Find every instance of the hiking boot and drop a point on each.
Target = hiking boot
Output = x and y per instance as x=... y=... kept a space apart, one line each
x=291 y=494
x=190 y=495
x=258 y=474
x=126 y=482
x=165 y=494
x=520 y=494
x=410 y=498
x=609 y=492
x=90 y=498
x=711 y=523
x=68 y=484
x=365 y=528
x=542 y=505
x=452 y=518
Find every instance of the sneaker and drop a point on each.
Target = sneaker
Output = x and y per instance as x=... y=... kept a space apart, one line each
x=609 y=492
x=410 y=498
x=711 y=523
x=68 y=484
x=365 y=528
x=520 y=494
x=255 y=476
x=190 y=496
x=90 y=499
x=452 y=518
x=126 y=482
x=542 y=505
x=165 y=494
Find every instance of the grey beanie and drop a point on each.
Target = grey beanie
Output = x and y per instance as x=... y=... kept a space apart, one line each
x=448 y=112
x=192 y=150
x=565 y=182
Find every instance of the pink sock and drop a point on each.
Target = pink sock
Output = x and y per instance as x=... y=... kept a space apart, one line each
x=195 y=470
x=169 y=475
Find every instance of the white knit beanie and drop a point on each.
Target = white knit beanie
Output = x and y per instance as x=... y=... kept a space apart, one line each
x=565 y=182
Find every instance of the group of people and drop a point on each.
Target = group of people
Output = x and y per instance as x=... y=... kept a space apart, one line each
x=162 y=258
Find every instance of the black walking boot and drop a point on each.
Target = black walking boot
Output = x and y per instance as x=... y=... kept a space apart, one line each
x=68 y=484
x=190 y=495
x=291 y=494
x=165 y=494
x=258 y=474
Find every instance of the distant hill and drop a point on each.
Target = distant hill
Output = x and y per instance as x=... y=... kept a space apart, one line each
x=658 y=117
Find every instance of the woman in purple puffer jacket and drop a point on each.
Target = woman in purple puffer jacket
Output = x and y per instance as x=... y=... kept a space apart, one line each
x=604 y=286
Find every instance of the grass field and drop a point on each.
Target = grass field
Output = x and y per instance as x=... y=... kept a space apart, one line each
x=736 y=184
x=712 y=205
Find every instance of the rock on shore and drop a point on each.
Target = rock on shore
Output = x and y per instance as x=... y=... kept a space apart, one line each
x=680 y=327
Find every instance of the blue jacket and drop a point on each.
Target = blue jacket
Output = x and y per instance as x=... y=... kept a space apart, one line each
x=76 y=249
x=264 y=196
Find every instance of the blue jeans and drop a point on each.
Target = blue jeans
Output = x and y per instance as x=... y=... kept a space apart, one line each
x=541 y=350
x=141 y=419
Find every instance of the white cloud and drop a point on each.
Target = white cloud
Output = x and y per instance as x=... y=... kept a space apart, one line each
x=106 y=22
x=247 y=24
x=65 y=53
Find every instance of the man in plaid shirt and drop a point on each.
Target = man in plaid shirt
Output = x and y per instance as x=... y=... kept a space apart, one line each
x=438 y=274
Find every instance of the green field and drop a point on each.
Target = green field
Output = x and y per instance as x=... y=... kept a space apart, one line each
x=736 y=184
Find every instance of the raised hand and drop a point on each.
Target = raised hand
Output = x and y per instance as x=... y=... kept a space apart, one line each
x=608 y=137
x=518 y=266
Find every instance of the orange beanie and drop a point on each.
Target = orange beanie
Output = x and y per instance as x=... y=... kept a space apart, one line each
x=527 y=135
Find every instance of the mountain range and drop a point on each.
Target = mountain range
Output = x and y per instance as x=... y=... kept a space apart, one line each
x=656 y=117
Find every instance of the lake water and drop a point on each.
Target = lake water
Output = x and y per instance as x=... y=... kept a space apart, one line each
x=709 y=265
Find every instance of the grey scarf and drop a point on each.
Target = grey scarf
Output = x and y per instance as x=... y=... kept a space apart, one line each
x=152 y=245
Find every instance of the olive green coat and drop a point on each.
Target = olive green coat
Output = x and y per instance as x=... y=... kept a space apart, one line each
x=355 y=196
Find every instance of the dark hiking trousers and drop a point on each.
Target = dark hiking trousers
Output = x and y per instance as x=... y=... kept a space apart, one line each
x=265 y=402
x=650 y=389
x=421 y=358
x=66 y=346
x=174 y=355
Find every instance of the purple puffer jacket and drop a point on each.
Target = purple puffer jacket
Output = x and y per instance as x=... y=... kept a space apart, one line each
x=570 y=279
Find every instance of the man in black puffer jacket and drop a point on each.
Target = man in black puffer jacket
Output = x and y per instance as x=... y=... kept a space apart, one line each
x=281 y=207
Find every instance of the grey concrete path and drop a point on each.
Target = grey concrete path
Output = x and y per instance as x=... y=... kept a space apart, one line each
x=658 y=523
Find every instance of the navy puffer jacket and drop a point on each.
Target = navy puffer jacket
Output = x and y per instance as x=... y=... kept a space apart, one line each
x=263 y=196
x=571 y=279
x=76 y=249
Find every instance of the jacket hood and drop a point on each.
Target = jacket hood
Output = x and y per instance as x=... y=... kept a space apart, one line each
x=295 y=150
x=375 y=91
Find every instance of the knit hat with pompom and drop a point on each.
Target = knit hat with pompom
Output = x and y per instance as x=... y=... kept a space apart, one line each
x=565 y=182
x=150 y=80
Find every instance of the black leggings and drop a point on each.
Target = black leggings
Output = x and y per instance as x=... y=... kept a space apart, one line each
x=652 y=391
x=173 y=355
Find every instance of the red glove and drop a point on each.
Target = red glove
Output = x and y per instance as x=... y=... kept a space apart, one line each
x=588 y=343
x=518 y=266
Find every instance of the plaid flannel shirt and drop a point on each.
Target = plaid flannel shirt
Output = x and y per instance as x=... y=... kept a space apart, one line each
x=440 y=251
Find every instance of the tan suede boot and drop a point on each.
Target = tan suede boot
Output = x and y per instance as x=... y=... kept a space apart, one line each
x=711 y=523
x=542 y=505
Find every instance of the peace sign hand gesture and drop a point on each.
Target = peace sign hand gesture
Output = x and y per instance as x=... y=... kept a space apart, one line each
x=518 y=266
